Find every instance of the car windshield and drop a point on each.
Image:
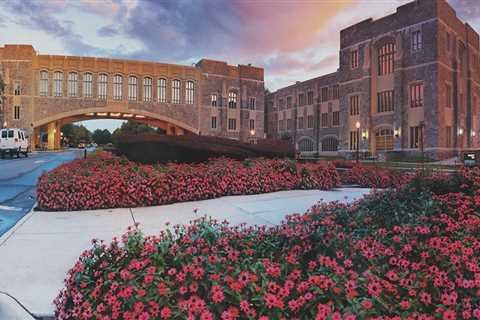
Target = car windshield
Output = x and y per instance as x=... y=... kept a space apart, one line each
x=10 y=133
x=4 y=133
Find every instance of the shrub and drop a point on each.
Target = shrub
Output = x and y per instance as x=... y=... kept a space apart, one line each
x=393 y=255
x=105 y=181
x=375 y=177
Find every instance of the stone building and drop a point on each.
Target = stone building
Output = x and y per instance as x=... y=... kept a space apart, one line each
x=44 y=92
x=407 y=83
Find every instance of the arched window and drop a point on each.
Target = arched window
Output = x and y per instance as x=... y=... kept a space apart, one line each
x=385 y=59
x=88 y=85
x=147 y=89
x=58 y=83
x=330 y=144
x=384 y=139
x=72 y=84
x=132 y=88
x=306 y=145
x=43 y=89
x=189 y=92
x=162 y=90
x=117 y=87
x=176 y=91
x=102 y=86
x=232 y=99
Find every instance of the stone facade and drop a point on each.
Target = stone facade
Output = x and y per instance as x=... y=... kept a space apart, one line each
x=43 y=92
x=432 y=85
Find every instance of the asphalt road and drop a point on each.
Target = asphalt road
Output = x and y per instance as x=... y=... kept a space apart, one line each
x=18 y=180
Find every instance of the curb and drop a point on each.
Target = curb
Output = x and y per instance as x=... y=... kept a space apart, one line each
x=17 y=225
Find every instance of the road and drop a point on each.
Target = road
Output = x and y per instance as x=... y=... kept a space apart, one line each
x=18 y=180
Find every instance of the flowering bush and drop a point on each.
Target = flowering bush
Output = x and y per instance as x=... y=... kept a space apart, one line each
x=105 y=181
x=375 y=177
x=412 y=254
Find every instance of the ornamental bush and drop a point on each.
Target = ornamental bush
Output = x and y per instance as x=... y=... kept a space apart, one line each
x=375 y=177
x=106 y=181
x=405 y=254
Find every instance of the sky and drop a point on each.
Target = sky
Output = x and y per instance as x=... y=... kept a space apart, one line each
x=293 y=40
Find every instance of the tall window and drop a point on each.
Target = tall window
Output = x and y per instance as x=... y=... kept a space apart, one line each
x=336 y=92
x=72 y=84
x=43 y=90
x=336 y=118
x=301 y=123
x=325 y=120
x=281 y=125
x=176 y=91
x=102 y=86
x=354 y=105
x=448 y=133
x=132 y=88
x=162 y=90
x=385 y=59
x=252 y=103
x=58 y=84
x=88 y=85
x=301 y=99
x=324 y=94
x=354 y=135
x=310 y=97
x=416 y=40
x=289 y=102
x=448 y=92
x=289 y=124
x=354 y=59
x=189 y=92
x=232 y=100
x=147 y=89
x=16 y=112
x=385 y=101
x=310 y=122
x=213 y=100
x=415 y=137
x=232 y=124
x=214 y=122
x=416 y=95
x=117 y=87
x=306 y=145
x=17 y=88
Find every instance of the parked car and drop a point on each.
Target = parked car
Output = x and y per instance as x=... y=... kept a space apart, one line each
x=81 y=145
x=13 y=142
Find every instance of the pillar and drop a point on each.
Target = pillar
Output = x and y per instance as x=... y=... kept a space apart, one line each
x=53 y=136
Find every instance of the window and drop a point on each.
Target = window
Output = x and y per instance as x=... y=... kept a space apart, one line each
x=16 y=112
x=384 y=139
x=214 y=123
x=72 y=84
x=213 y=99
x=324 y=94
x=354 y=105
x=102 y=86
x=189 y=92
x=354 y=135
x=281 y=104
x=310 y=97
x=289 y=102
x=301 y=99
x=289 y=124
x=306 y=145
x=147 y=89
x=162 y=90
x=117 y=87
x=232 y=124
x=58 y=84
x=448 y=134
x=4 y=134
x=448 y=42
x=324 y=120
x=176 y=91
x=385 y=101
x=310 y=122
x=132 y=88
x=416 y=95
x=448 y=92
x=87 y=85
x=281 y=125
x=251 y=124
x=385 y=59
x=416 y=40
x=330 y=144
x=336 y=118
x=232 y=100
x=354 y=59
x=301 y=123
x=43 y=83
x=415 y=137
x=336 y=92
x=17 y=89
x=252 y=103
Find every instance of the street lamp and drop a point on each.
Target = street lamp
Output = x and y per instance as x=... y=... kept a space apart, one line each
x=357 y=125
x=5 y=124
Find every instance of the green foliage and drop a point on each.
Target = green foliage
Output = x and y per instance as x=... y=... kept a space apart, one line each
x=102 y=137
x=74 y=134
x=131 y=127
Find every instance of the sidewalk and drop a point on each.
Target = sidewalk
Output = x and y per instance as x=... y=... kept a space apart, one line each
x=37 y=253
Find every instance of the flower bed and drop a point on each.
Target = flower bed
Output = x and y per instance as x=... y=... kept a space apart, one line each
x=412 y=254
x=375 y=177
x=105 y=181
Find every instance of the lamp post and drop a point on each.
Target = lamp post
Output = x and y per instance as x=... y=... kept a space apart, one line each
x=252 y=135
x=357 y=142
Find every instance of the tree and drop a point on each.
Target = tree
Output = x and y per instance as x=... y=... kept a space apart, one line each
x=102 y=137
x=74 y=134
x=131 y=127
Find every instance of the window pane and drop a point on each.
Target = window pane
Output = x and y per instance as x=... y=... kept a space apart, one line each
x=162 y=89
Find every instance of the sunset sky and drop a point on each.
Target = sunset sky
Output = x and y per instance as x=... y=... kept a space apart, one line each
x=292 y=40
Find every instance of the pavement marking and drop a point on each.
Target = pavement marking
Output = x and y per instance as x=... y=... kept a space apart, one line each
x=7 y=208
x=39 y=161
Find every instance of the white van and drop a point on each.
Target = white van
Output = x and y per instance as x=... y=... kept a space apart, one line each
x=14 y=142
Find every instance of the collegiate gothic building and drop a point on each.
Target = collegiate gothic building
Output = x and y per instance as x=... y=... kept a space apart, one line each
x=407 y=83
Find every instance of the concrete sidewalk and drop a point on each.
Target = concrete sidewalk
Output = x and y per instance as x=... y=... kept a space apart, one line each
x=36 y=254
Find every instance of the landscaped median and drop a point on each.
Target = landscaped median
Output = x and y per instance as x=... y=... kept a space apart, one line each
x=106 y=181
x=410 y=253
